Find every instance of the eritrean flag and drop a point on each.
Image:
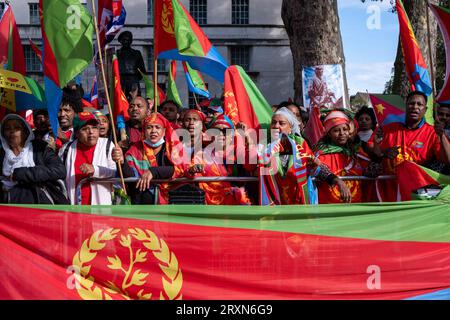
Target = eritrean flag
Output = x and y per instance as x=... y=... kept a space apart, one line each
x=416 y=68
x=178 y=37
x=67 y=31
x=411 y=177
x=172 y=90
x=388 y=108
x=195 y=81
x=149 y=89
x=358 y=251
x=443 y=18
x=11 y=50
x=120 y=103
x=243 y=100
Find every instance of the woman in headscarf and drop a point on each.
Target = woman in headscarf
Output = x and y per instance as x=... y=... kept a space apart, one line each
x=30 y=169
x=343 y=157
x=211 y=160
x=149 y=159
x=287 y=164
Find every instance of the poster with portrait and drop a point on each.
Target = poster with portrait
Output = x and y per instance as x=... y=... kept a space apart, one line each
x=323 y=86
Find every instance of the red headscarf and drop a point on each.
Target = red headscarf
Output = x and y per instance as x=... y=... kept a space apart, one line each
x=335 y=118
x=199 y=113
x=157 y=118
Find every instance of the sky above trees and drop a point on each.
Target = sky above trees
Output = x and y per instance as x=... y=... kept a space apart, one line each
x=370 y=36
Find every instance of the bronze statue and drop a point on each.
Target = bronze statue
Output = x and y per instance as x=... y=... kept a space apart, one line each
x=130 y=62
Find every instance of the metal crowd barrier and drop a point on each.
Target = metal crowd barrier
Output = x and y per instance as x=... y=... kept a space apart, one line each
x=202 y=179
x=209 y=179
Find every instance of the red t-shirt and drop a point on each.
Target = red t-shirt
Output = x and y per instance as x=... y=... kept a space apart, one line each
x=342 y=165
x=416 y=145
x=85 y=154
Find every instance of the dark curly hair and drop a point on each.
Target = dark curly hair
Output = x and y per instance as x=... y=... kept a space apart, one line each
x=369 y=112
x=72 y=97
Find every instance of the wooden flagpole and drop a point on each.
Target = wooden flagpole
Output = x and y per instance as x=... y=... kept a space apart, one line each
x=155 y=62
x=102 y=68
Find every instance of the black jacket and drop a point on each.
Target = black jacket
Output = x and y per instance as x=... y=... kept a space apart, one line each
x=36 y=184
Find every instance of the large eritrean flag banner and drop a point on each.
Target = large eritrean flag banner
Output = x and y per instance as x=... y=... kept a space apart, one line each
x=382 y=251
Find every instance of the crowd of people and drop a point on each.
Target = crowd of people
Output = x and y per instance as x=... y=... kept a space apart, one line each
x=40 y=167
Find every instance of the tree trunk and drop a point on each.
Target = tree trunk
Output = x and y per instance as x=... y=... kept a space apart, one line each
x=417 y=13
x=315 y=37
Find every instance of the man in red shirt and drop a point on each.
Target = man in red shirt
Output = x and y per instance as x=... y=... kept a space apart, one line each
x=70 y=106
x=138 y=111
x=415 y=141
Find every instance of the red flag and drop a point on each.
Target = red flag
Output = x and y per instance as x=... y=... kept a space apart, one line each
x=36 y=50
x=56 y=253
x=243 y=102
x=416 y=68
x=11 y=50
x=314 y=129
x=120 y=101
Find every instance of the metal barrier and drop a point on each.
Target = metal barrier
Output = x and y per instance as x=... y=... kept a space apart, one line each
x=209 y=179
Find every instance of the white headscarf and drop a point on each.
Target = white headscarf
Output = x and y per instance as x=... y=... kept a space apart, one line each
x=11 y=161
x=291 y=118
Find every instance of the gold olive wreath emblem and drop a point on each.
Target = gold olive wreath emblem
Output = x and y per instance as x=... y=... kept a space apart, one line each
x=167 y=17
x=88 y=289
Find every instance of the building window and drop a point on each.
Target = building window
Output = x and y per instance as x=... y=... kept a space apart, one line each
x=199 y=11
x=34 y=13
x=161 y=62
x=150 y=12
x=240 y=55
x=2 y=8
x=194 y=99
x=239 y=11
x=32 y=62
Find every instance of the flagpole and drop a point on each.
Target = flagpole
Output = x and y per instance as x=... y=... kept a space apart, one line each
x=155 y=62
x=430 y=51
x=102 y=68
x=155 y=83
x=197 y=106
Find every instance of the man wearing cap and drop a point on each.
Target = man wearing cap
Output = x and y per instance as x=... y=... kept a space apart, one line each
x=413 y=141
x=86 y=157
x=130 y=62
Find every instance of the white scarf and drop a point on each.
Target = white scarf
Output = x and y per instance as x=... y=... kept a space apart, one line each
x=23 y=159
x=291 y=118
x=365 y=135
